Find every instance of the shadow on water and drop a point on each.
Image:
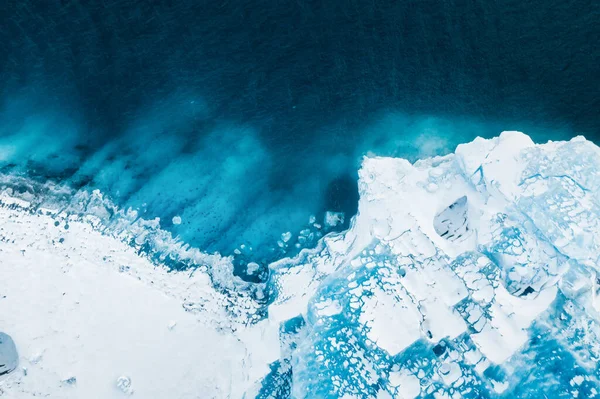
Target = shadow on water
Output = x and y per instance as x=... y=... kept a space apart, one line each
x=243 y=118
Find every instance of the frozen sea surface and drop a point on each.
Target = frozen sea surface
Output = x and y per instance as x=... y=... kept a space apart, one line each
x=471 y=275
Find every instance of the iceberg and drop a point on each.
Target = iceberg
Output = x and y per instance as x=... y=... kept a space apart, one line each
x=472 y=275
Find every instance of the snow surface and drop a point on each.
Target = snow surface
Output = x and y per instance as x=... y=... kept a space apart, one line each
x=466 y=276
x=93 y=319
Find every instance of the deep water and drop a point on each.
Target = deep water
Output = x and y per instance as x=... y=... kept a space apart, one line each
x=243 y=118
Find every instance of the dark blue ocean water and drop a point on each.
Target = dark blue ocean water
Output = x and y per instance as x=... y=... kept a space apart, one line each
x=246 y=117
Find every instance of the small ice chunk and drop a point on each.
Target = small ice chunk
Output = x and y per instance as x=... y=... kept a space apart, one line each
x=381 y=394
x=328 y=308
x=333 y=219
x=124 y=384
x=36 y=358
x=286 y=236
x=577 y=380
x=450 y=373
x=431 y=187
x=499 y=387
x=406 y=383
x=252 y=268
x=71 y=380
x=176 y=220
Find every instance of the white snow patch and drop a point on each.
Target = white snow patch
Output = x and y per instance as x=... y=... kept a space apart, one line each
x=80 y=320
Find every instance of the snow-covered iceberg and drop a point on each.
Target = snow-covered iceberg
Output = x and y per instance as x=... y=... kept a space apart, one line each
x=466 y=276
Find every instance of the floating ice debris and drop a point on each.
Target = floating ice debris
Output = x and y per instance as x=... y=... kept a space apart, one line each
x=577 y=380
x=252 y=268
x=176 y=220
x=9 y=359
x=285 y=237
x=332 y=219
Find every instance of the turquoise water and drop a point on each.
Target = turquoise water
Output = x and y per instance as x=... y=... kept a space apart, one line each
x=245 y=118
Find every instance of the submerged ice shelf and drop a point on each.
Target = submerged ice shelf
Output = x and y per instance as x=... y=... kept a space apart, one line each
x=466 y=276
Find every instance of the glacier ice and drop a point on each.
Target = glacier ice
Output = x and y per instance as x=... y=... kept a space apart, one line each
x=466 y=276
x=472 y=275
